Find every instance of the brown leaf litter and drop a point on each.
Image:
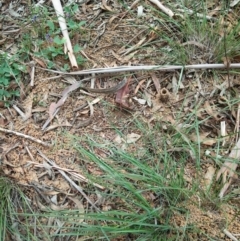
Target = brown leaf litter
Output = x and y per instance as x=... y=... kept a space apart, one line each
x=155 y=97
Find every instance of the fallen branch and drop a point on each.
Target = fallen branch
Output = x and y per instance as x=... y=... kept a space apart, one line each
x=25 y=136
x=144 y=67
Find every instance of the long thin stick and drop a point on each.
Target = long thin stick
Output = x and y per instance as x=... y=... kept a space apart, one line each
x=24 y=136
x=145 y=67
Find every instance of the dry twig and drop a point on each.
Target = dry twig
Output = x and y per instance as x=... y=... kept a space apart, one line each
x=24 y=136
x=52 y=163
x=163 y=8
x=164 y=68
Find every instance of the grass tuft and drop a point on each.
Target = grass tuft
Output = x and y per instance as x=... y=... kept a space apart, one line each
x=143 y=192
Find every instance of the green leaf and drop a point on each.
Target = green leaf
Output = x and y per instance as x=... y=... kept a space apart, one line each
x=81 y=23
x=50 y=64
x=6 y=94
x=15 y=72
x=80 y=59
x=58 y=40
x=51 y=25
x=5 y=69
x=22 y=68
x=4 y=81
x=76 y=48
x=72 y=25
x=14 y=93
x=75 y=8
x=66 y=67
x=50 y=49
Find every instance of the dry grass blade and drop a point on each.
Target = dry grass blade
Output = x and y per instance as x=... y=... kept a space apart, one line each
x=19 y=112
x=52 y=163
x=230 y=235
x=228 y=169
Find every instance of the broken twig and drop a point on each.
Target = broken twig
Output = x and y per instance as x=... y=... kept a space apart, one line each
x=24 y=136
x=163 y=8
x=52 y=163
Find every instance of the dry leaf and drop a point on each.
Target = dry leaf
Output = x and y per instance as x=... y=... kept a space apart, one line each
x=156 y=105
x=3 y=121
x=106 y=208
x=140 y=101
x=228 y=169
x=58 y=208
x=209 y=141
x=202 y=138
x=210 y=111
x=28 y=106
x=174 y=85
x=54 y=199
x=121 y=96
x=105 y=6
x=156 y=82
x=54 y=106
x=117 y=139
x=139 y=86
x=80 y=208
x=147 y=97
x=234 y=3
x=132 y=138
x=209 y=175
x=39 y=61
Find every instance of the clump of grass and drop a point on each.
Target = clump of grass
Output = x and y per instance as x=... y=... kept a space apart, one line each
x=19 y=220
x=208 y=41
x=145 y=183
x=12 y=201
x=192 y=38
x=143 y=191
